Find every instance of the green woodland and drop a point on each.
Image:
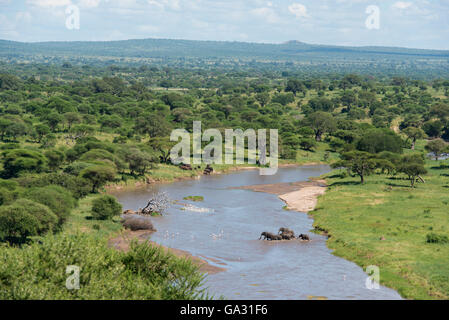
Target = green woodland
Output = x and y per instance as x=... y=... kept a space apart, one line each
x=70 y=128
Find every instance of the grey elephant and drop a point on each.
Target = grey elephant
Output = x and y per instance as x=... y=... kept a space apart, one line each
x=286 y=234
x=304 y=237
x=269 y=236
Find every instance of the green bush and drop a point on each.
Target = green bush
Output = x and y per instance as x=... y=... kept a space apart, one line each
x=18 y=160
x=38 y=271
x=436 y=238
x=58 y=199
x=98 y=175
x=79 y=187
x=105 y=207
x=6 y=196
x=23 y=219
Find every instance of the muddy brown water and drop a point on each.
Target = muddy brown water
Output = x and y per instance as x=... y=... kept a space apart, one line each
x=224 y=230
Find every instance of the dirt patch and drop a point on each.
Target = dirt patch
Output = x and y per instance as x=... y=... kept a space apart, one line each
x=123 y=241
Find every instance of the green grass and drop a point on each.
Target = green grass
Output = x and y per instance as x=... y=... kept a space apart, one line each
x=194 y=198
x=358 y=216
x=80 y=220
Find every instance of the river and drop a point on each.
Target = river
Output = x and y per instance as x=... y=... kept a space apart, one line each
x=225 y=232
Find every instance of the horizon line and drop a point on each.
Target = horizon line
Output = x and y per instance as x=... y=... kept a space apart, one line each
x=224 y=41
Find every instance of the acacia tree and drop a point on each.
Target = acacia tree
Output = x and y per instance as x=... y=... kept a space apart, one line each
x=414 y=134
x=321 y=123
x=413 y=170
x=98 y=175
x=359 y=162
x=437 y=147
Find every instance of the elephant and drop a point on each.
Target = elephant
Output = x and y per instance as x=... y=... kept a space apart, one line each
x=286 y=233
x=304 y=237
x=269 y=236
x=287 y=236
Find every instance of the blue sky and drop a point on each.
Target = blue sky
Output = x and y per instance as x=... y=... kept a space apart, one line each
x=413 y=23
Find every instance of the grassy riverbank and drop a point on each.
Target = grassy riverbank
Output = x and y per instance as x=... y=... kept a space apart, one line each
x=385 y=223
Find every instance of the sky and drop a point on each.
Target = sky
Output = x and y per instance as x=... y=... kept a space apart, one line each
x=414 y=23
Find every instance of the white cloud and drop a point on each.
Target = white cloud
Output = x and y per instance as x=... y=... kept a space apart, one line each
x=266 y=13
x=148 y=29
x=170 y=4
x=23 y=16
x=89 y=3
x=49 y=3
x=299 y=10
x=402 y=5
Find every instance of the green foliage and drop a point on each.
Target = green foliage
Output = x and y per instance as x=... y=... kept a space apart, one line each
x=6 y=196
x=307 y=144
x=98 y=175
x=378 y=140
x=436 y=238
x=23 y=219
x=194 y=198
x=55 y=158
x=38 y=271
x=437 y=147
x=16 y=161
x=359 y=162
x=105 y=207
x=57 y=198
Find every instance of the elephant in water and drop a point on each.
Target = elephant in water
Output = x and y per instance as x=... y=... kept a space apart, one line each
x=286 y=234
x=269 y=236
x=303 y=237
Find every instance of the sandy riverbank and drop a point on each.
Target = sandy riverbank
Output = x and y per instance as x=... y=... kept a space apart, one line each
x=299 y=196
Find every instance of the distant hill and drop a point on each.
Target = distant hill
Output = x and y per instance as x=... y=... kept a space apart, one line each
x=292 y=55
x=163 y=48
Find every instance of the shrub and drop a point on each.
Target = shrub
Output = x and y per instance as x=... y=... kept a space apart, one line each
x=307 y=144
x=105 y=207
x=23 y=219
x=76 y=167
x=36 y=271
x=58 y=199
x=6 y=196
x=436 y=238
x=18 y=160
x=98 y=175
x=79 y=187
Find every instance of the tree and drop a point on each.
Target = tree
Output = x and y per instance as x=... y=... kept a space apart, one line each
x=53 y=119
x=294 y=86
x=71 y=118
x=138 y=161
x=307 y=144
x=41 y=130
x=105 y=207
x=98 y=175
x=359 y=162
x=55 y=158
x=321 y=123
x=440 y=110
x=414 y=134
x=321 y=104
x=263 y=98
x=18 y=160
x=153 y=124
x=412 y=170
x=57 y=198
x=433 y=128
x=378 y=140
x=437 y=147
x=23 y=219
